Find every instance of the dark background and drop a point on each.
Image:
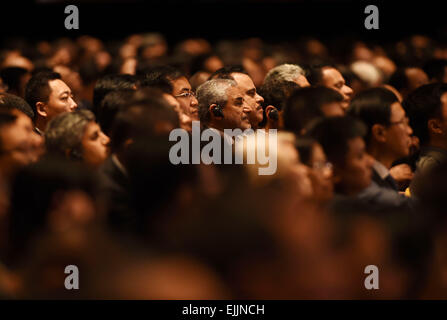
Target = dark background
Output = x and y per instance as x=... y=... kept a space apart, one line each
x=216 y=19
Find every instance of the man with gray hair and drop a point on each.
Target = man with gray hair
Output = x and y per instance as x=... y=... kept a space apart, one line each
x=222 y=105
x=279 y=84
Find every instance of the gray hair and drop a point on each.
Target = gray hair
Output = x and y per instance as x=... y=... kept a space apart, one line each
x=212 y=92
x=65 y=131
x=284 y=72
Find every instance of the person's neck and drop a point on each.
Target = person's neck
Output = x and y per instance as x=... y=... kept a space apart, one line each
x=41 y=124
x=438 y=143
x=382 y=156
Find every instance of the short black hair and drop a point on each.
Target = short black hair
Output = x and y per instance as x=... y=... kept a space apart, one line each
x=11 y=101
x=161 y=77
x=304 y=106
x=334 y=134
x=38 y=88
x=225 y=72
x=113 y=102
x=373 y=106
x=423 y=104
x=314 y=73
x=110 y=83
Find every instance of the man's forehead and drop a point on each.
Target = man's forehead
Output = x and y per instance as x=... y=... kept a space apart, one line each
x=332 y=73
x=243 y=80
x=182 y=83
x=58 y=86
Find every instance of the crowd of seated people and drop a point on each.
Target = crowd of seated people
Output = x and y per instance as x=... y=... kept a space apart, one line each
x=358 y=136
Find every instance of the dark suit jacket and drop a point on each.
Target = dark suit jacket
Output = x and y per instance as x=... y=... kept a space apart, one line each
x=115 y=188
x=383 y=183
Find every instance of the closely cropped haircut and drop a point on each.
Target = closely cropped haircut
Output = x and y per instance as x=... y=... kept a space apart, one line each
x=334 y=135
x=38 y=88
x=109 y=83
x=11 y=101
x=304 y=106
x=373 y=106
x=225 y=72
x=424 y=104
x=212 y=92
x=64 y=133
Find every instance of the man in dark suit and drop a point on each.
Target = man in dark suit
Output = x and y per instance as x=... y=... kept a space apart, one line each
x=149 y=113
x=388 y=135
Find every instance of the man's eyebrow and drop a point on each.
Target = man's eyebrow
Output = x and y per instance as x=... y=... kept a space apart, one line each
x=64 y=92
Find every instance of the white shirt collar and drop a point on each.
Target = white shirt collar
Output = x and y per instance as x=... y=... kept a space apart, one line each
x=381 y=170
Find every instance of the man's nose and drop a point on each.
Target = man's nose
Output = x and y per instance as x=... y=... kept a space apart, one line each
x=348 y=91
x=194 y=102
x=259 y=98
x=74 y=105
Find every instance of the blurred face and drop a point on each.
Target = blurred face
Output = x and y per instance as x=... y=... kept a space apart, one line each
x=236 y=111
x=184 y=95
x=398 y=134
x=185 y=120
x=321 y=175
x=94 y=145
x=37 y=147
x=60 y=99
x=416 y=78
x=355 y=175
x=332 y=78
x=253 y=99
x=333 y=109
x=17 y=144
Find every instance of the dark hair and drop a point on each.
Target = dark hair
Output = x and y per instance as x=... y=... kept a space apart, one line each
x=38 y=88
x=305 y=146
x=12 y=76
x=373 y=106
x=304 y=106
x=109 y=83
x=11 y=101
x=225 y=72
x=314 y=73
x=423 y=104
x=399 y=79
x=435 y=69
x=113 y=102
x=34 y=191
x=6 y=118
x=334 y=134
x=140 y=116
x=161 y=77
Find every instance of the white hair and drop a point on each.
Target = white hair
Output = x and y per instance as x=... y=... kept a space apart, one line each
x=284 y=72
x=367 y=72
x=212 y=92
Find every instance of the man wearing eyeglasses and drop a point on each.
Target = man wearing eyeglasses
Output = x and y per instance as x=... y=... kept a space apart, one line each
x=178 y=85
x=389 y=133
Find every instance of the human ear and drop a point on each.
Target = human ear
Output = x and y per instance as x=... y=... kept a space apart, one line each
x=41 y=109
x=378 y=132
x=434 y=126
